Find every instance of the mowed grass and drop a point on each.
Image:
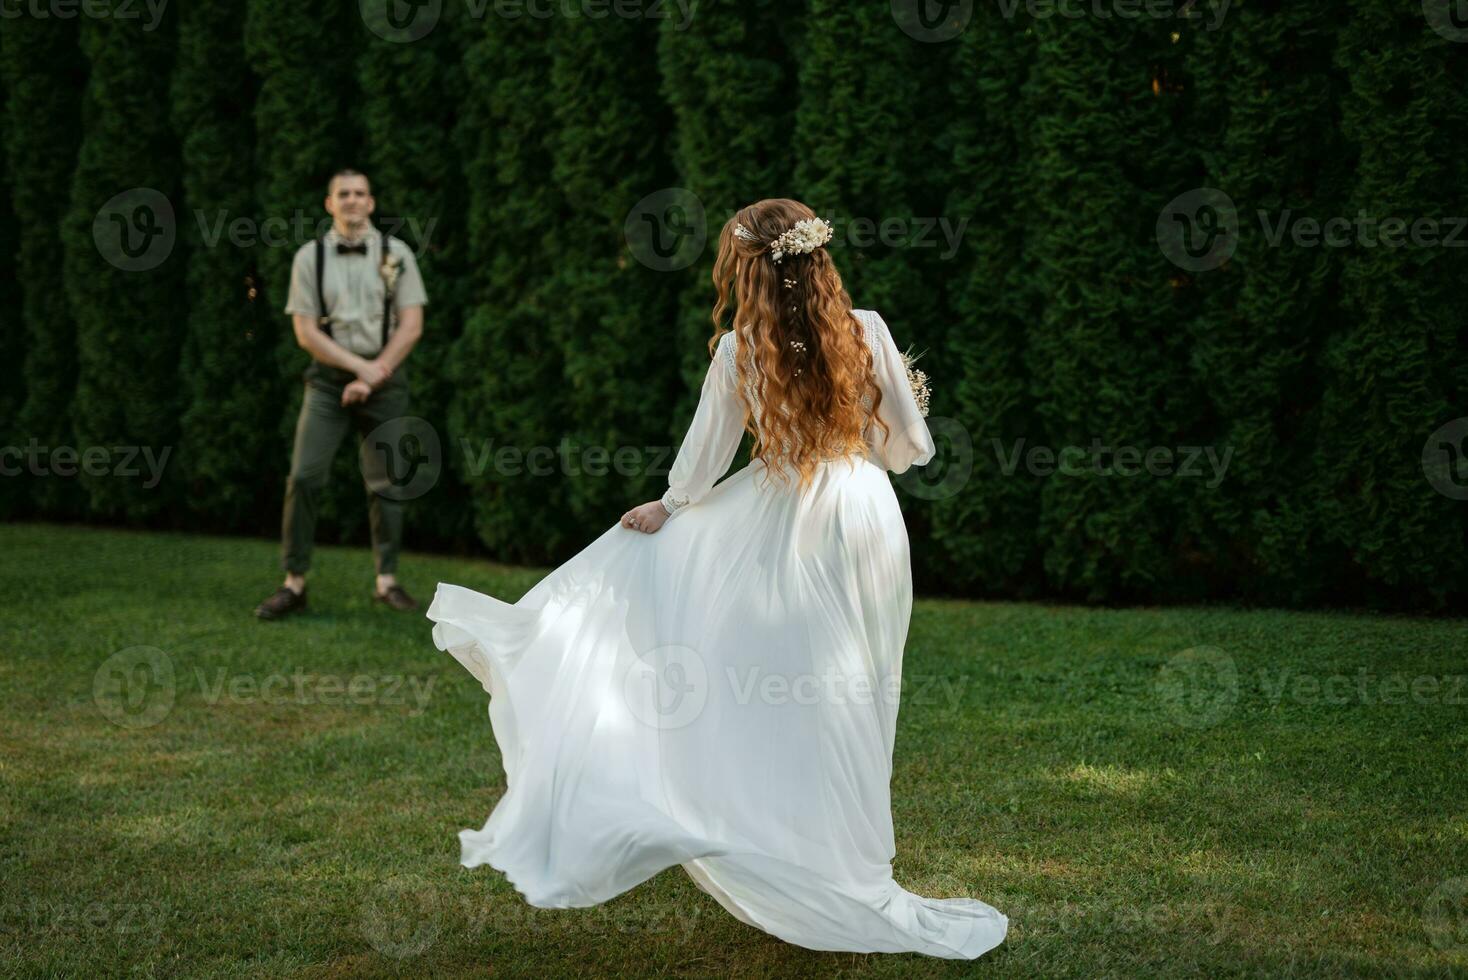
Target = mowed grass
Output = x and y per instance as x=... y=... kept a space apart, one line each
x=1145 y=792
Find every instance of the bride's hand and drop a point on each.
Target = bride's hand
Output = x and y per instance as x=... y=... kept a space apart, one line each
x=646 y=518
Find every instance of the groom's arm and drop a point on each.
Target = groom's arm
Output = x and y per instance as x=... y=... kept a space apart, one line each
x=408 y=301
x=315 y=341
x=404 y=336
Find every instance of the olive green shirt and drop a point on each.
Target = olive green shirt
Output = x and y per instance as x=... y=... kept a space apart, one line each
x=354 y=289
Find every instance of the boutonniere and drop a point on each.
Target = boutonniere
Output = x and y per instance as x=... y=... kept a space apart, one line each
x=392 y=266
x=917 y=380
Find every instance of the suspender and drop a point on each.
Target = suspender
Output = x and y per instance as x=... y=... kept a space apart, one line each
x=385 y=330
x=320 y=290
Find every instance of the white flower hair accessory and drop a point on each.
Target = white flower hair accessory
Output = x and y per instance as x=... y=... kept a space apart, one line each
x=802 y=238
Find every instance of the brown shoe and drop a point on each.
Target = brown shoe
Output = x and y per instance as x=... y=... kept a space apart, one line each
x=396 y=597
x=281 y=604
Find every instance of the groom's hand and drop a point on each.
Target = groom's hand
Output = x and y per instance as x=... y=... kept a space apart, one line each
x=356 y=391
x=374 y=373
x=646 y=518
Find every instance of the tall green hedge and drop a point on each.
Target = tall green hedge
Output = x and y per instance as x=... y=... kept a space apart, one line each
x=12 y=338
x=506 y=367
x=307 y=127
x=1107 y=361
x=228 y=376
x=985 y=532
x=123 y=271
x=867 y=91
x=1006 y=184
x=1393 y=370
x=613 y=315
x=408 y=151
x=1264 y=315
x=44 y=76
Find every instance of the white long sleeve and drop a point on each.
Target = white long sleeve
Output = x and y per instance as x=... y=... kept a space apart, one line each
x=713 y=436
x=907 y=442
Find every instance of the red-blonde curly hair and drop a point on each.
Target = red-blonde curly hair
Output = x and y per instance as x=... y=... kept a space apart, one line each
x=800 y=346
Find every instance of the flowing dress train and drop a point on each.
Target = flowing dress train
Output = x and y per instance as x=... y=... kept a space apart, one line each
x=721 y=694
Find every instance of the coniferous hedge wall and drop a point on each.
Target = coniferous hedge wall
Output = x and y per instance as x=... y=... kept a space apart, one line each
x=43 y=74
x=125 y=295
x=1193 y=289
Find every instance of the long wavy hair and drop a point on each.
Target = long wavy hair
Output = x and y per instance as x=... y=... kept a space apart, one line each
x=800 y=349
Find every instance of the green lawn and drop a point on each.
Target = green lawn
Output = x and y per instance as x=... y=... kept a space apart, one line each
x=1099 y=775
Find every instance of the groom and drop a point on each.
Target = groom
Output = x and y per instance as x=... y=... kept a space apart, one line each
x=356 y=299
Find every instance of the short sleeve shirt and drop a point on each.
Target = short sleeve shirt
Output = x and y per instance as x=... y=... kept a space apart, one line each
x=354 y=288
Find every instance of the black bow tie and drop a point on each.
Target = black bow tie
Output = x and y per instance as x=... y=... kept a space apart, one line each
x=342 y=248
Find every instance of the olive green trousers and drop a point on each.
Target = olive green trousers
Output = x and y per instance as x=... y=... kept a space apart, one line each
x=322 y=424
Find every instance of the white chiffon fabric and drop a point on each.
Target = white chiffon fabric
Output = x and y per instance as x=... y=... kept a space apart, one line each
x=721 y=694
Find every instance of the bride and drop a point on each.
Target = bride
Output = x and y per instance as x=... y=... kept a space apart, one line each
x=714 y=681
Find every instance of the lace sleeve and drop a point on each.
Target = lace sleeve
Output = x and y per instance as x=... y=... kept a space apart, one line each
x=713 y=435
x=907 y=442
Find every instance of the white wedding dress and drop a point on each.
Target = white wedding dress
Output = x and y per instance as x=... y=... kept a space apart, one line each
x=721 y=694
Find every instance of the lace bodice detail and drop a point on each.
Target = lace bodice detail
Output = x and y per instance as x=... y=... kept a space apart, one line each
x=718 y=424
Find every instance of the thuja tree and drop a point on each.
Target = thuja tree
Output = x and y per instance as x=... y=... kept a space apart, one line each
x=12 y=334
x=729 y=77
x=305 y=130
x=1107 y=362
x=412 y=84
x=1394 y=368
x=867 y=89
x=228 y=377
x=506 y=368
x=614 y=311
x=1263 y=123
x=987 y=503
x=44 y=75
x=123 y=268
